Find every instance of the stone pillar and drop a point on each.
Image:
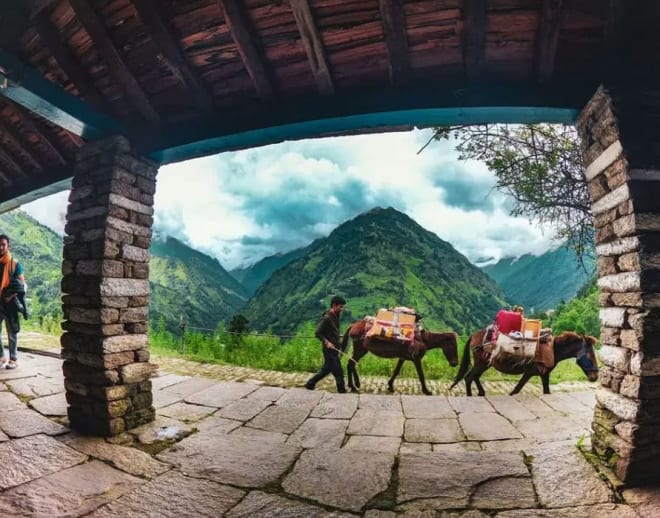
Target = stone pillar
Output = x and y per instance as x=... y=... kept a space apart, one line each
x=106 y=289
x=620 y=136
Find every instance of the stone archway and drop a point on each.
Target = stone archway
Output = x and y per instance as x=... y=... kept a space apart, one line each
x=620 y=148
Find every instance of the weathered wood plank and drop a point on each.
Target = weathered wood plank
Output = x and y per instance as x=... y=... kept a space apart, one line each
x=396 y=40
x=8 y=133
x=30 y=127
x=311 y=39
x=152 y=15
x=66 y=60
x=548 y=39
x=93 y=25
x=474 y=38
x=237 y=22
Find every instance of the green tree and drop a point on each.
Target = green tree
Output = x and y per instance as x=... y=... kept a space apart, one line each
x=238 y=326
x=540 y=166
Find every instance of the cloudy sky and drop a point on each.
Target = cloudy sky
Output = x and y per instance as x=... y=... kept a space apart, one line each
x=243 y=206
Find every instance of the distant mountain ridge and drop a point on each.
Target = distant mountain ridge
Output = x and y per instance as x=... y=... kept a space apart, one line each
x=542 y=282
x=254 y=276
x=380 y=258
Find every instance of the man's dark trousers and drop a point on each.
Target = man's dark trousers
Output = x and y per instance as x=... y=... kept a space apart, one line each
x=331 y=365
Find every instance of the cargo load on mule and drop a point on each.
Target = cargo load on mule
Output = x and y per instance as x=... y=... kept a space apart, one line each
x=392 y=329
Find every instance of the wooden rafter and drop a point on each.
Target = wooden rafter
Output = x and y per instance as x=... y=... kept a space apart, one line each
x=65 y=59
x=14 y=140
x=13 y=166
x=475 y=21
x=97 y=31
x=31 y=127
x=152 y=15
x=238 y=25
x=548 y=39
x=311 y=39
x=5 y=179
x=396 y=39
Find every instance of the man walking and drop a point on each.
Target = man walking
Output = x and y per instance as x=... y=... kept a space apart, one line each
x=11 y=273
x=328 y=332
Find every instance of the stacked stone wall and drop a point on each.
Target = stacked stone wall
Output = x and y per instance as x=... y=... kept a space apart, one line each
x=106 y=289
x=622 y=186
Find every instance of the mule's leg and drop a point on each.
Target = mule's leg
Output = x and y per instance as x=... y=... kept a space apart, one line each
x=397 y=370
x=468 y=383
x=474 y=375
x=525 y=378
x=545 y=380
x=353 y=378
x=420 y=374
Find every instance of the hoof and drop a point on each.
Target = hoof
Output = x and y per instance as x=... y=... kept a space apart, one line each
x=427 y=393
x=354 y=390
x=390 y=388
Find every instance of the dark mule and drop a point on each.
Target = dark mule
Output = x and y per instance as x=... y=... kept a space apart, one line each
x=566 y=345
x=387 y=349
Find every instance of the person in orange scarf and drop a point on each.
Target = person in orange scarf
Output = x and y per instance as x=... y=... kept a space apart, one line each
x=10 y=270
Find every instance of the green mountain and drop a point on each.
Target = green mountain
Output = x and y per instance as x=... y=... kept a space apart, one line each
x=183 y=281
x=254 y=276
x=39 y=250
x=380 y=258
x=187 y=282
x=541 y=283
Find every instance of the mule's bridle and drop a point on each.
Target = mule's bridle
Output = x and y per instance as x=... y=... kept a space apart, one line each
x=583 y=360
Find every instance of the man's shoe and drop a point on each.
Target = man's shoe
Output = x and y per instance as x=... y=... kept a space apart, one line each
x=309 y=386
x=341 y=390
x=11 y=364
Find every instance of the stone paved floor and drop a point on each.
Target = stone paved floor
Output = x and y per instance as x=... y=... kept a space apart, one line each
x=247 y=448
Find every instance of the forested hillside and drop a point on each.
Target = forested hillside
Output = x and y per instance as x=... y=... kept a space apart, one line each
x=541 y=283
x=254 y=276
x=380 y=258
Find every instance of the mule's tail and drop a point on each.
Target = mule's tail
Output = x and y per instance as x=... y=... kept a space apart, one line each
x=344 y=339
x=465 y=364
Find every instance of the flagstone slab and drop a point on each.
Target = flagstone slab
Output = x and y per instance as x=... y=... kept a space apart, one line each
x=380 y=403
x=231 y=460
x=511 y=408
x=32 y=457
x=2 y=386
x=189 y=386
x=215 y=424
x=8 y=401
x=371 y=443
x=564 y=478
x=267 y=393
x=164 y=380
x=3 y=437
x=566 y=403
x=549 y=429
x=457 y=447
x=433 y=430
x=254 y=434
x=280 y=418
x=53 y=405
x=504 y=493
x=588 y=398
x=301 y=398
x=320 y=433
x=645 y=499
x=536 y=405
x=162 y=399
x=487 y=427
x=36 y=386
x=258 y=503
x=161 y=429
x=73 y=491
x=174 y=495
x=336 y=406
x=221 y=394
x=371 y=422
x=21 y=423
x=509 y=445
x=243 y=409
x=599 y=511
x=444 y=480
x=415 y=447
x=424 y=407
x=325 y=476
x=472 y=404
x=186 y=412
x=130 y=460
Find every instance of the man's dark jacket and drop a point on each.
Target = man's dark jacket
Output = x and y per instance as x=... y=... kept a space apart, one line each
x=328 y=328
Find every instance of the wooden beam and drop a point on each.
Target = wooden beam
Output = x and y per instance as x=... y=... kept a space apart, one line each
x=475 y=21
x=93 y=25
x=5 y=179
x=14 y=140
x=13 y=166
x=152 y=15
x=31 y=127
x=396 y=39
x=238 y=25
x=311 y=39
x=66 y=60
x=548 y=39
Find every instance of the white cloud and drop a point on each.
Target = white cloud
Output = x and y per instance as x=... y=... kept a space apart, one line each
x=242 y=206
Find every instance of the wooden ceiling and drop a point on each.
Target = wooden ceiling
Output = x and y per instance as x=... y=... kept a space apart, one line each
x=177 y=72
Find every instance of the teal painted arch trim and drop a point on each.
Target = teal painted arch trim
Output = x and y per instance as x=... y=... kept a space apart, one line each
x=333 y=125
